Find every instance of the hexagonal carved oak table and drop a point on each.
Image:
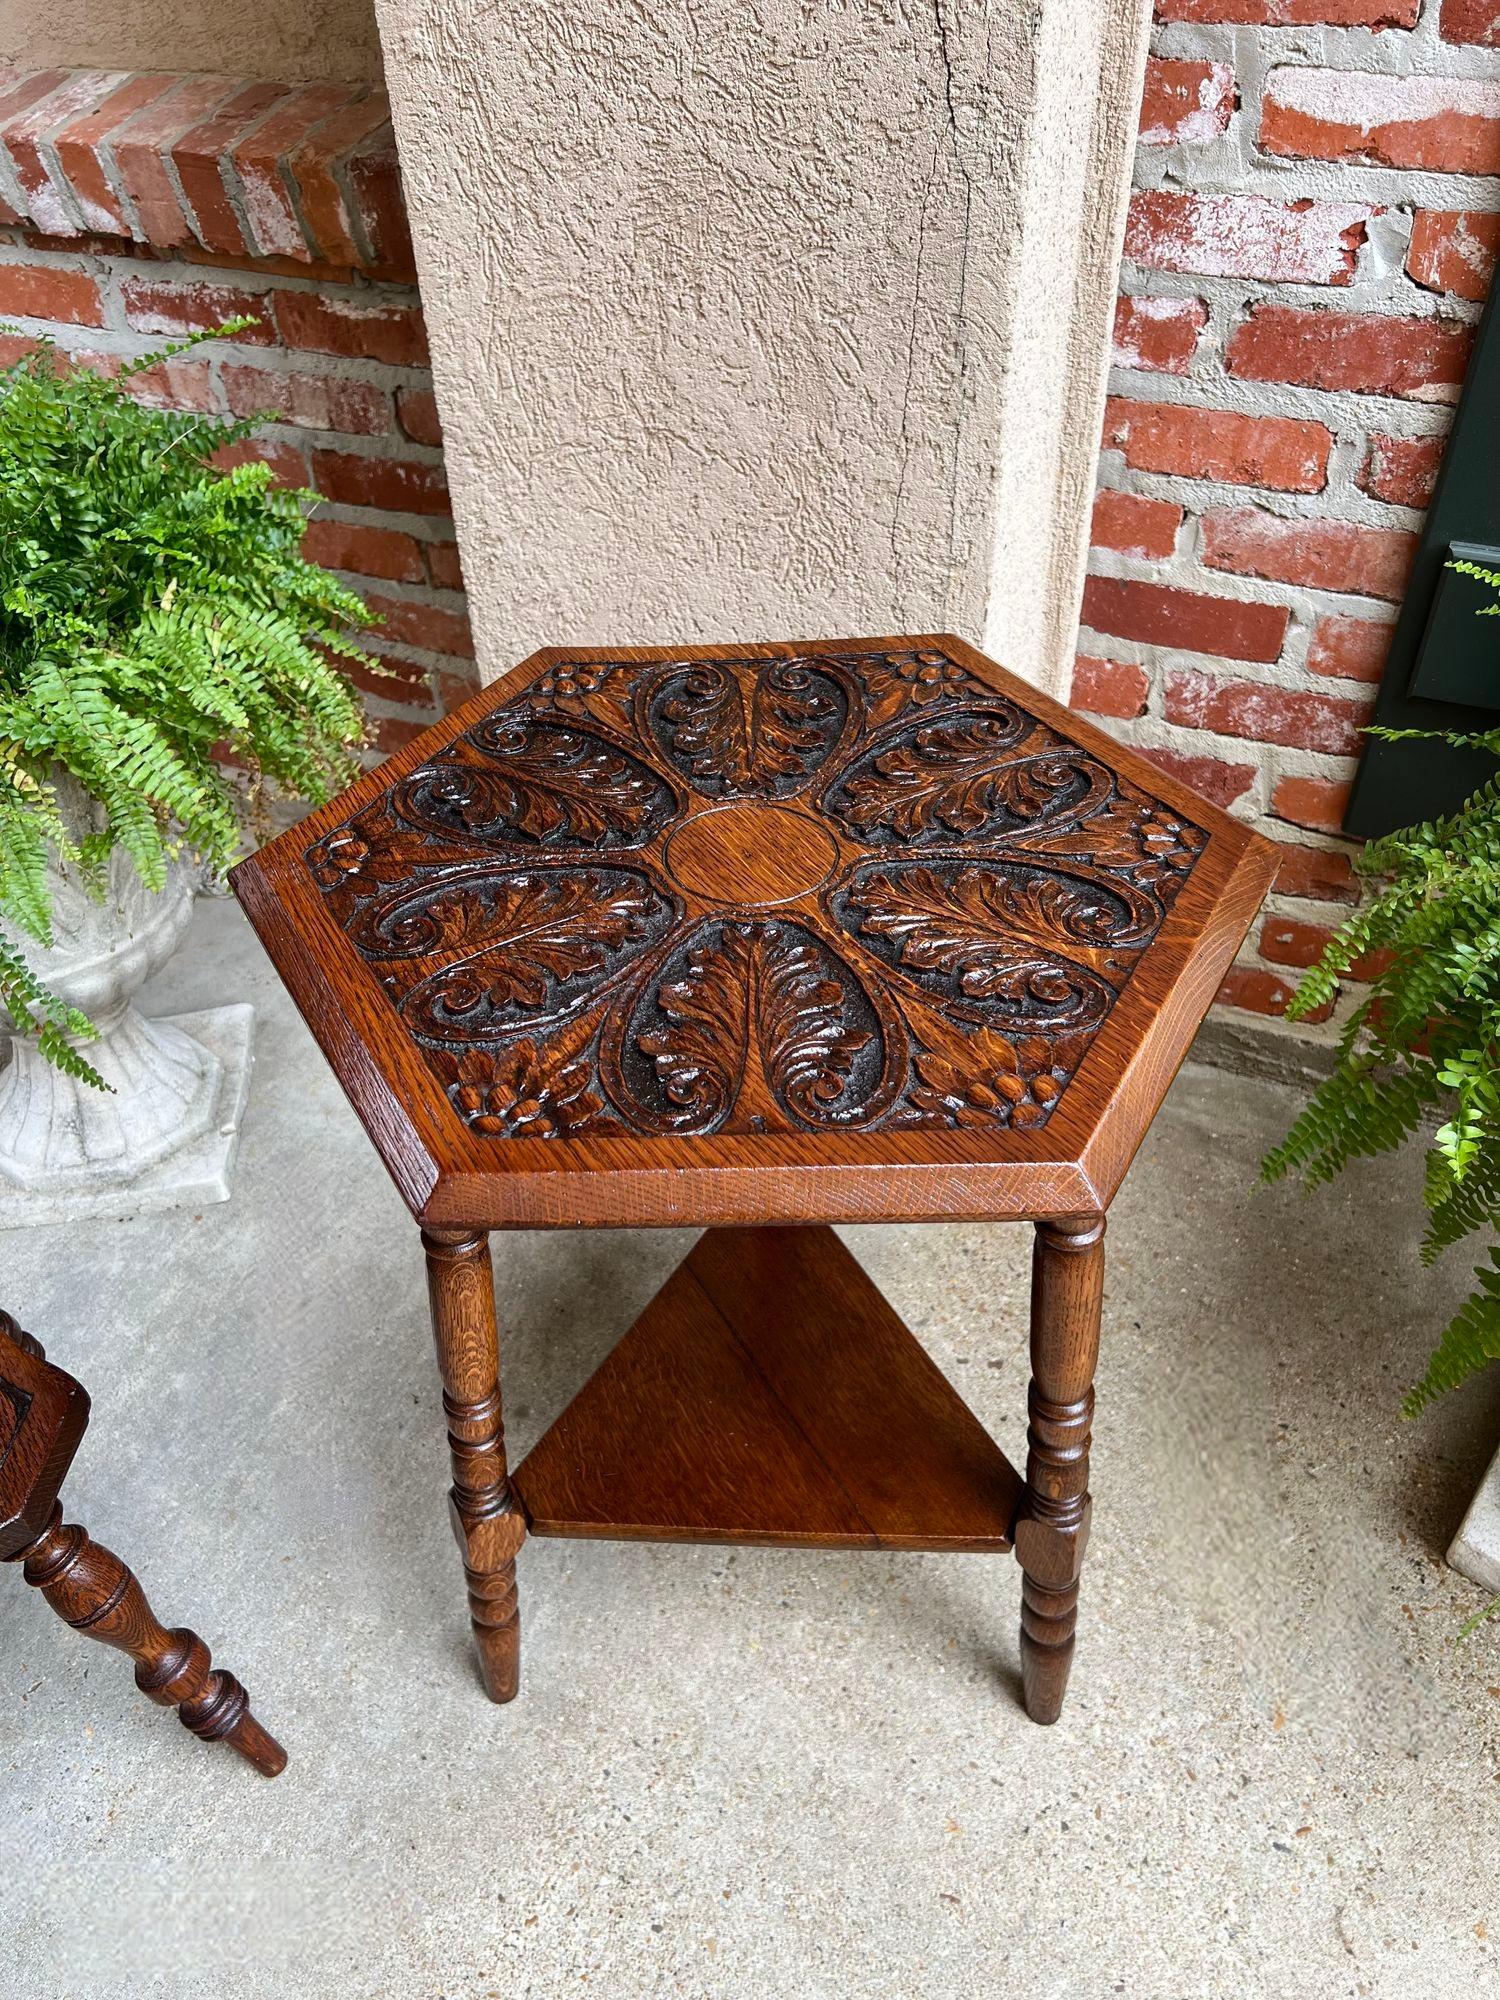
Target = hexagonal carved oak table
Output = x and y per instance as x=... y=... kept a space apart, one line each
x=794 y=934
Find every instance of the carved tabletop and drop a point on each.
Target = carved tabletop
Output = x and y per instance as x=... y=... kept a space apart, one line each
x=770 y=932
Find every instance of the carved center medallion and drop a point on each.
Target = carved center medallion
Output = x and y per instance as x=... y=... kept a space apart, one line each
x=850 y=891
x=752 y=855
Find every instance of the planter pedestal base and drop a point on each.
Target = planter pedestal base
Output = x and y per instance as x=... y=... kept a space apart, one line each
x=193 y=1173
x=1475 y=1550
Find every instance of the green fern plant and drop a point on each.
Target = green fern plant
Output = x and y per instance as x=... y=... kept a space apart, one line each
x=1425 y=1039
x=152 y=609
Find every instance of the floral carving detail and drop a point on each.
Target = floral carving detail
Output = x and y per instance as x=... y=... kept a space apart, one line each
x=892 y=683
x=518 y=1093
x=998 y=1080
x=363 y=855
x=994 y=889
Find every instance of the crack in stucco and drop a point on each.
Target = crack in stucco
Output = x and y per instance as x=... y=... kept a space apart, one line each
x=946 y=59
x=901 y=556
x=965 y=241
x=904 y=431
x=961 y=370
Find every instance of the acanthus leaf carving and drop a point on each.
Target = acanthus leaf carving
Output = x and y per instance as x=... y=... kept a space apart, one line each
x=999 y=935
x=512 y=947
x=540 y=783
x=698 y=1049
x=962 y=778
x=736 y=734
x=749 y=1016
x=1148 y=845
x=813 y=1025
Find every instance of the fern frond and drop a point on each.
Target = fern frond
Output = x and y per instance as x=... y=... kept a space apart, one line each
x=1364 y=1107
x=154 y=612
x=1470 y=1340
x=34 y=1010
x=1425 y=1039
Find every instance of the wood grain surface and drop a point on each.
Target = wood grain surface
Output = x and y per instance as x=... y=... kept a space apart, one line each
x=769 y=1394
x=487 y=1524
x=45 y=1414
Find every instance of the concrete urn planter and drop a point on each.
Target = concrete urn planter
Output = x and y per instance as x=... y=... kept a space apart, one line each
x=1475 y=1550
x=164 y=1133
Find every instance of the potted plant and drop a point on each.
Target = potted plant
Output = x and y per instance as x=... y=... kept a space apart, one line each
x=158 y=627
x=1421 y=1052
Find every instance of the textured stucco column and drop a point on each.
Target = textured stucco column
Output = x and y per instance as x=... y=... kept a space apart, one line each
x=768 y=317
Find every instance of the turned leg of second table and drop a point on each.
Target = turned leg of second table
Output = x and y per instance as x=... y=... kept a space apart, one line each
x=487 y=1521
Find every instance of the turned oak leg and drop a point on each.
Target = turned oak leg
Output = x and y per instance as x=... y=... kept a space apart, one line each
x=487 y=1522
x=1067 y=1284
x=97 y=1595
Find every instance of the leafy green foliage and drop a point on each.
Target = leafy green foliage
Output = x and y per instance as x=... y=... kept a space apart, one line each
x=1471 y=1625
x=1425 y=1038
x=151 y=609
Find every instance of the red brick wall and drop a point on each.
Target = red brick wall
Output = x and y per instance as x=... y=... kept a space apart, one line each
x=1309 y=245
x=140 y=208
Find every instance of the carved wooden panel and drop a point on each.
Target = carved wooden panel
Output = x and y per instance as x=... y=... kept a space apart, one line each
x=14 y=1403
x=43 y=1413
x=821 y=894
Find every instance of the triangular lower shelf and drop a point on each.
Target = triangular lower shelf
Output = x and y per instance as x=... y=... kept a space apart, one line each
x=769 y=1394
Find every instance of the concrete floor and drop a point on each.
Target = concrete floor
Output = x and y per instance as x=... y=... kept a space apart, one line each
x=756 y=1774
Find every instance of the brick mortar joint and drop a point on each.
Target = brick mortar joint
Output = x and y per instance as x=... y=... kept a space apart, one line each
x=300 y=146
x=1349 y=411
x=352 y=287
x=1254 y=48
x=1186 y=572
x=1341 y=502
